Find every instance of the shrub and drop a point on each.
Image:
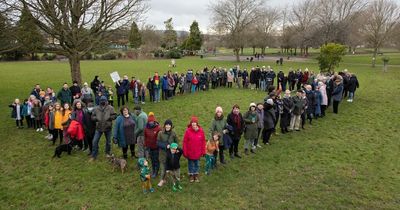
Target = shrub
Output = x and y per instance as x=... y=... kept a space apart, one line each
x=174 y=54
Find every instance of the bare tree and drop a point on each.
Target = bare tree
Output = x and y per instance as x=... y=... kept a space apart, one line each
x=335 y=18
x=303 y=21
x=151 y=40
x=81 y=25
x=232 y=17
x=265 y=26
x=381 y=19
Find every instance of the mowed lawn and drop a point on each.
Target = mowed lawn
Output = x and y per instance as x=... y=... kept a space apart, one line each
x=345 y=161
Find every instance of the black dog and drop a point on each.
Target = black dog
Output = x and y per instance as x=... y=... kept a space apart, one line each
x=62 y=148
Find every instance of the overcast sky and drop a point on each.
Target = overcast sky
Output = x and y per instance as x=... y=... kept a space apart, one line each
x=183 y=12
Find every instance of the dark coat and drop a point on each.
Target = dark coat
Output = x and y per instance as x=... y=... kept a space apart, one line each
x=172 y=161
x=269 y=117
x=353 y=84
x=238 y=130
x=103 y=116
x=14 y=110
x=311 y=101
x=64 y=96
x=337 y=92
x=298 y=105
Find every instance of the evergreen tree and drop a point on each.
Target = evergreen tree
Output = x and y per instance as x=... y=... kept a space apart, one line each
x=28 y=34
x=194 y=41
x=135 y=38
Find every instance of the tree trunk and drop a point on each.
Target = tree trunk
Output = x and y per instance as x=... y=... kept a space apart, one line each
x=75 y=66
x=374 y=57
x=237 y=54
x=254 y=50
x=295 y=51
x=241 y=50
x=33 y=56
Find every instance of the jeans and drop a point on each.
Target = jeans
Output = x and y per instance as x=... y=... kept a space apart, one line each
x=193 y=88
x=193 y=166
x=351 y=95
x=96 y=139
x=155 y=163
x=157 y=95
x=262 y=85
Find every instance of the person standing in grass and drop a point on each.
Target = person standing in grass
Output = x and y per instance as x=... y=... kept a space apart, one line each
x=64 y=95
x=287 y=104
x=218 y=125
x=124 y=132
x=260 y=124
x=125 y=84
x=250 y=132
x=103 y=115
x=58 y=128
x=324 y=96
x=269 y=120
x=165 y=138
x=141 y=121
x=194 y=144
x=150 y=88
x=235 y=120
x=352 y=86
x=86 y=93
x=150 y=143
x=211 y=149
x=16 y=113
x=337 y=94
x=120 y=93
x=157 y=87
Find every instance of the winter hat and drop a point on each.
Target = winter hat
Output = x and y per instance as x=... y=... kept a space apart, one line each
x=253 y=104
x=151 y=117
x=270 y=101
x=103 y=98
x=173 y=146
x=218 y=109
x=168 y=122
x=194 y=119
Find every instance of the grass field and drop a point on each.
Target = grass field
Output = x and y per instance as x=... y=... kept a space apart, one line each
x=345 y=161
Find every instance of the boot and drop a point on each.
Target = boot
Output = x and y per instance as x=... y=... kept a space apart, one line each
x=196 y=178
x=237 y=155
x=174 y=188
x=246 y=151
x=191 y=178
x=222 y=160
x=178 y=185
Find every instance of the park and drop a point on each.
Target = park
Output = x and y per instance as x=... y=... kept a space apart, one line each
x=348 y=160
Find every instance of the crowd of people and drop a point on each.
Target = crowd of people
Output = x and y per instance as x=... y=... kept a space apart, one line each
x=81 y=115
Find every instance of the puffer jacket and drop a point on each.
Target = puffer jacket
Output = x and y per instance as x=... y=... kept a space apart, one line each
x=103 y=116
x=194 y=143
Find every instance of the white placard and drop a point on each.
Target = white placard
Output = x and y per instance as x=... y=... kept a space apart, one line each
x=115 y=76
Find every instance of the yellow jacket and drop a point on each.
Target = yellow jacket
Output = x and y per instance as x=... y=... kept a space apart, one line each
x=58 y=120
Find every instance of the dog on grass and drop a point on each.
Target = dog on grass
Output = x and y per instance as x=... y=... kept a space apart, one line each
x=118 y=162
x=62 y=148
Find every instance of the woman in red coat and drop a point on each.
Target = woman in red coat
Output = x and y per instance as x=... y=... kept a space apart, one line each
x=194 y=144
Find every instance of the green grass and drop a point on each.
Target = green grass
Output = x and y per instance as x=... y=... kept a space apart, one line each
x=345 y=161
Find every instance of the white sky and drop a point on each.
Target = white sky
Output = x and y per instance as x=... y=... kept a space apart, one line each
x=183 y=12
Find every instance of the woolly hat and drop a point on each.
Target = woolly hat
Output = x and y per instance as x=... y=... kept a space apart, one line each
x=173 y=146
x=270 y=101
x=194 y=119
x=253 y=104
x=218 y=109
x=168 y=122
x=103 y=98
x=151 y=117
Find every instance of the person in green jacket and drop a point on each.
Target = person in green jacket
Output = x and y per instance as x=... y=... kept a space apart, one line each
x=164 y=139
x=218 y=125
x=145 y=175
x=64 y=95
x=251 y=131
x=141 y=121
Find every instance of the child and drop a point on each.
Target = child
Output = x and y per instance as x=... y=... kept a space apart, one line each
x=26 y=110
x=16 y=113
x=211 y=147
x=173 y=167
x=49 y=121
x=145 y=175
x=58 y=117
x=110 y=96
x=142 y=92
x=66 y=120
x=36 y=115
